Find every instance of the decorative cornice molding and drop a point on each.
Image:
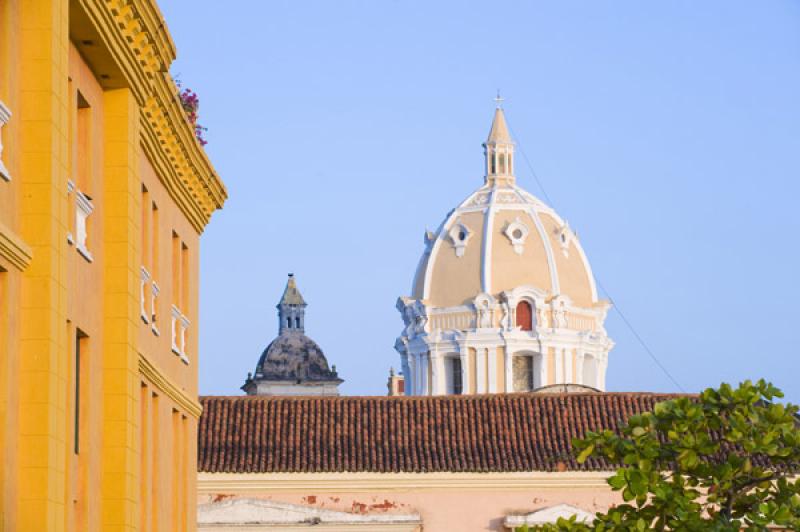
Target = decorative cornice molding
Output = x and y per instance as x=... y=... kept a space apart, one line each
x=372 y=482
x=137 y=40
x=169 y=388
x=14 y=249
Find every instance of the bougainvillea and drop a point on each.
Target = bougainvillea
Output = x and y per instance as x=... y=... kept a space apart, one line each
x=191 y=105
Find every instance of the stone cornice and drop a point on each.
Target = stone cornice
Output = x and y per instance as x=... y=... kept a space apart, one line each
x=371 y=482
x=14 y=249
x=138 y=43
x=169 y=388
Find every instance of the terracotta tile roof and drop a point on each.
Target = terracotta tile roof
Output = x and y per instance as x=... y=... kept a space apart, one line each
x=485 y=433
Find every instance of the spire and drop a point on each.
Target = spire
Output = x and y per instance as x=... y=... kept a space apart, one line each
x=291 y=309
x=291 y=295
x=499 y=150
x=499 y=132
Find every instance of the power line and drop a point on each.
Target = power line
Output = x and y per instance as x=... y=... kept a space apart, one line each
x=600 y=284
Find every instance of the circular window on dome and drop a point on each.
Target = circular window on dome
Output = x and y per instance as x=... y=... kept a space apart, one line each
x=460 y=235
x=517 y=233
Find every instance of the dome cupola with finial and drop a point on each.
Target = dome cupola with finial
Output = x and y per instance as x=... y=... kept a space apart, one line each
x=292 y=364
x=503 y=299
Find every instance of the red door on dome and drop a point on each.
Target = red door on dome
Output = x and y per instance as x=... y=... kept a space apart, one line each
x=524 y=316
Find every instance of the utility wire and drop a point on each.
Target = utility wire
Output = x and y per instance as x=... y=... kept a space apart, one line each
x=600 y=284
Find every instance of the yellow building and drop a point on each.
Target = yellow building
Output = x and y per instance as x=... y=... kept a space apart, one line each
x=104 y=191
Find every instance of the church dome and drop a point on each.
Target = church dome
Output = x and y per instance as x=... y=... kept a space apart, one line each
x=500 y=238
x=293 y=363
x=293 y=356
x=503 y=299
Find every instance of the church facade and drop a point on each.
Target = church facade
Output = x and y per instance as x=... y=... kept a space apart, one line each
x=503 y=299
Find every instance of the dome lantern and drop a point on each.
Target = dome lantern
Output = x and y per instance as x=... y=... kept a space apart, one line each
x=498 y=151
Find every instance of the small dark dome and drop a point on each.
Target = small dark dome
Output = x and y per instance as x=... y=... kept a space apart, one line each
x=293 y=356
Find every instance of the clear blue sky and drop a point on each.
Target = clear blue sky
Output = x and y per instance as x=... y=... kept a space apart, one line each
x=666 y=133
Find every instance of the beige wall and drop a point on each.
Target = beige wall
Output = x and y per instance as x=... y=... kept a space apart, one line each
x=511 y=270
x=457 y=280
x=572 y=275
x=445 y=502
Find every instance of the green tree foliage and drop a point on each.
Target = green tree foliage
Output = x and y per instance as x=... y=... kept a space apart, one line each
x=726 y=460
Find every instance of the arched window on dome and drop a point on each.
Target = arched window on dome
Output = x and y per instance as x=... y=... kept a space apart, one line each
x=288 y=323
x=297 y=323
x=524 y=316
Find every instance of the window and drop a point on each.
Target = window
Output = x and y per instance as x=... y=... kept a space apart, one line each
x=453 y=375
x=289 y=323
x=524 y=316
x=154 y=269
x=83 y=145
x=297 y=323
x=81 y=350
x=82 y=168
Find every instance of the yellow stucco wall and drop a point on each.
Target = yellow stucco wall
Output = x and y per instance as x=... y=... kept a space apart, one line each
x=74 y=450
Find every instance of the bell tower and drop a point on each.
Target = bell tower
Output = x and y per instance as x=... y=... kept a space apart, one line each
x=291 y=309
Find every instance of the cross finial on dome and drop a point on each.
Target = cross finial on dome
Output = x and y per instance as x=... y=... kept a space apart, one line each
x=499 y=100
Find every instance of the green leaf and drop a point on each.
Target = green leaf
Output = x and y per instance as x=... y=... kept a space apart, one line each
x=586 y=453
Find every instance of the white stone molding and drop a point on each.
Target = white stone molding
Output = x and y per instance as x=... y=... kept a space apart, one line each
x=485 y=306
x=491 y=369
x=144 y=280
x=481 y=355
x=70 y=190
x=533 y=207
x=549 y=515
x=5 y=116
x=154 y=290
x=180 y=325
x=459 y=235
x=83 y=209
x=559 y=373
x=566 y=236
x=517 y=232
x=466 y=375
x=437 y=372
x=411 y=382
x=263 y=514
x=486 y=251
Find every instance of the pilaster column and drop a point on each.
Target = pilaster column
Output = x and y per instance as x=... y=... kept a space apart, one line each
x=480 y=369
x=437 y=385
x=42 y=447
x=407 y=377
x=509 y=370
x=411 y=378
x=491 y=367
x=121 y=381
